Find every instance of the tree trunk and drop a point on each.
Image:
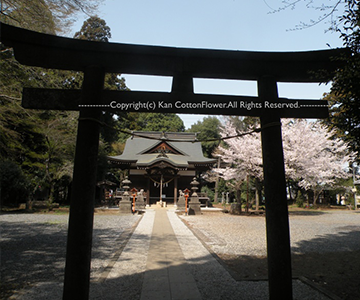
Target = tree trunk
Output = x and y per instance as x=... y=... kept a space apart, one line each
x=28 y=204
x=316 y=196
x=257 y=193
x=238 y=197
x=308 y=199
x=217 y=182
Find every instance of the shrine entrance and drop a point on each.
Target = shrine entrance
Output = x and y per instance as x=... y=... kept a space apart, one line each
x=95 y=59
x=162 y=184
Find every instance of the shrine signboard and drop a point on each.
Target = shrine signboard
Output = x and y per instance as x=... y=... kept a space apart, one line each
x=95 y=59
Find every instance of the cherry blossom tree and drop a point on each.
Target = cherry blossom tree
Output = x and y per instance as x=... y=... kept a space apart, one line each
x=243 y=158
x=311 y=157
x=241 y=154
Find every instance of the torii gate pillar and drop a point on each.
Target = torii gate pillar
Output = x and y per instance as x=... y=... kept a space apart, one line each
x=277 y=222
x=79 y=241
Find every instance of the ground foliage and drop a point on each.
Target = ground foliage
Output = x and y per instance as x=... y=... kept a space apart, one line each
x=13 y=183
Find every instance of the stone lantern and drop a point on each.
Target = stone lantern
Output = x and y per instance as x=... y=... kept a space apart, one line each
x=125 y=202
x=194 y=187
x=194 y=204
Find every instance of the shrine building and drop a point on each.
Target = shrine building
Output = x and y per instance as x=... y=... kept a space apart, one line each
x=162 y=163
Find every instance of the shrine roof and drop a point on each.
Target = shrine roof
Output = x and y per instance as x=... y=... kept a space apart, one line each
x=145 y=149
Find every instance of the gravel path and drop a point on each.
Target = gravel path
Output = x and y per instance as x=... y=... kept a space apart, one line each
x=325 y=246
x=312 y=231
x=33 y=248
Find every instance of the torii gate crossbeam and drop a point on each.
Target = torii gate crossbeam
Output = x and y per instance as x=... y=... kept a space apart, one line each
x=95 y=59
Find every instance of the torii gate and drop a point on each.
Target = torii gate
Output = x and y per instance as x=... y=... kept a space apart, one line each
x=96 y=58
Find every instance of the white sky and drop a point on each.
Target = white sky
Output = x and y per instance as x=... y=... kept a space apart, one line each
x=210 y=24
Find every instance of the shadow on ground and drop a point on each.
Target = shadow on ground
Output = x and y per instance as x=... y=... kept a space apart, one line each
x=306 y=213
x=335 y=268
x=33 y=252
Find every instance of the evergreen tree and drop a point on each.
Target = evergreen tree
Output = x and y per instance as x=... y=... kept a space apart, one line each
x=159 y=122
x=94 y=29
x=208 y=128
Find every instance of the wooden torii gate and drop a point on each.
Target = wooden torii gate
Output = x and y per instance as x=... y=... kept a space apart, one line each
x=95 y=59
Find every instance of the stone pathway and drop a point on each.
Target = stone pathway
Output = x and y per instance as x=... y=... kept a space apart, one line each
x=167 y=274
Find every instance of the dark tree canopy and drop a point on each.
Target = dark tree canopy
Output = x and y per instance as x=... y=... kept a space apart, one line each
x=345 y=91
x=41 y=143
x=13 y=183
